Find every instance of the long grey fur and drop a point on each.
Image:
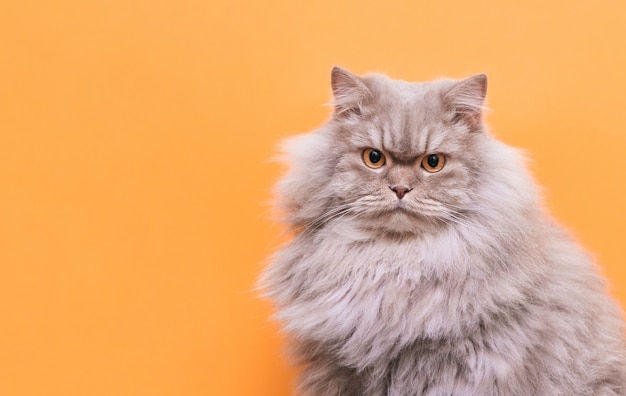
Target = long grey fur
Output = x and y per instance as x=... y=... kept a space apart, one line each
x=465 y=286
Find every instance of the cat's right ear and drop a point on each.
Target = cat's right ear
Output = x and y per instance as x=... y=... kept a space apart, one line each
x=349 y=91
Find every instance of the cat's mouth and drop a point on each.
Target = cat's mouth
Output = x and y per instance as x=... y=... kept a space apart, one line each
x=401 y=207
x=398 y=218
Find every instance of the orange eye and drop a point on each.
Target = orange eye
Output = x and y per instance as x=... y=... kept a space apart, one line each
x=433 y=162
x=373 y=158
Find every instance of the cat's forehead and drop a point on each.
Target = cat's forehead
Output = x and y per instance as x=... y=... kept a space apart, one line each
x=387 y=91
x=407 y=118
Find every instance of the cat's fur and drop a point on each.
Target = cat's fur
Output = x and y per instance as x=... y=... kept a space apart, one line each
x=465 y=286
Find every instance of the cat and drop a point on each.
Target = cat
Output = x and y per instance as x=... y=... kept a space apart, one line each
x=422 y=260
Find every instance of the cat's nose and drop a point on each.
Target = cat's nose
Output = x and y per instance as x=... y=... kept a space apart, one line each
x=400 y=190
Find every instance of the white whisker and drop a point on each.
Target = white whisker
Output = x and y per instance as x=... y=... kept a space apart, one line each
x=335 y=212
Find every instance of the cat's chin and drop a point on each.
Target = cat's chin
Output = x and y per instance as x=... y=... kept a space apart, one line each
x=399 y=221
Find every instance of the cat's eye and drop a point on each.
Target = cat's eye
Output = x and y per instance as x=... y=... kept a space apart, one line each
x=433 y=162
x=373 y=158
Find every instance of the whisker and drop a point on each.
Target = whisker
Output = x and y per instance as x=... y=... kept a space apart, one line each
x=333 y=213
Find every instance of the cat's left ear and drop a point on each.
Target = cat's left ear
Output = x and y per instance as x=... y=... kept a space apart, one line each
x=466 y=99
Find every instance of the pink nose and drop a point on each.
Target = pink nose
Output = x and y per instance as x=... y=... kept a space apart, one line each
x=400 y=191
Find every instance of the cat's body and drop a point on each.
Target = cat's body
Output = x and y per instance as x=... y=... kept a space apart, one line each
x=409 y=277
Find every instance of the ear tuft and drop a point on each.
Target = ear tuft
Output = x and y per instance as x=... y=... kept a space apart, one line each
x=466 y=99
x=349 y=91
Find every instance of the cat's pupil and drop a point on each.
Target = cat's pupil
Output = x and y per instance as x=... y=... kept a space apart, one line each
x=433 y=160
x=375 y=156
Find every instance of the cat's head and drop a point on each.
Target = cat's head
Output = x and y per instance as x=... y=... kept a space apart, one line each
x=402 y=158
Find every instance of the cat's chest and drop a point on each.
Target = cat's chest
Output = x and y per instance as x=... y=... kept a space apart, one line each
x=342 y=288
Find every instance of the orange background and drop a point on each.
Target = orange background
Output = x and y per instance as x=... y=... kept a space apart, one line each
x=134 y=173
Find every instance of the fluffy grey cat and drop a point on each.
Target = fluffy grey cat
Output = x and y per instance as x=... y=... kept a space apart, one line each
x=423 y=262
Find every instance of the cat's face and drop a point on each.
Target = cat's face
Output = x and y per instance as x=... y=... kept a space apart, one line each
x=397 y=157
